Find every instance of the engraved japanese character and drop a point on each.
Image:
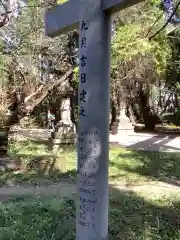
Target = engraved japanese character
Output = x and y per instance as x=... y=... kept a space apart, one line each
x=81 y=165
x=93 y=225
x=94 y=201
x=81 y=148
x=82 y=112
x=81 y=140
x=84 y=25
x=83 y=61
x=84 y=174
x=83 y=77
x=89 y=201
x=82 y=217
x=82 y=223
x=95 y=145
x=83 y=42
x=83 y=96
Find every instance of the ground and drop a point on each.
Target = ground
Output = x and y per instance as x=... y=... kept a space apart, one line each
x=38 y=193
x=143 y=141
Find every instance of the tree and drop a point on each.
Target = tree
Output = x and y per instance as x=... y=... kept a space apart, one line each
x=137 y=62
x=31 y=69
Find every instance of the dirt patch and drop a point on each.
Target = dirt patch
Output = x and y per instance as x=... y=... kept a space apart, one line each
x=68 y=190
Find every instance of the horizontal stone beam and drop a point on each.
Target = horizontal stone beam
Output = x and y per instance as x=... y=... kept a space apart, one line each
x=62 y=18
x=65 y=17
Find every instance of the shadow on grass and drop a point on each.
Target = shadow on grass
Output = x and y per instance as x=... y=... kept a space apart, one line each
x=159 y=166
x=133 y=217
x=36 y=162
x=163 y=143
x=156 y=143
x=33 y=163
x=37 y=171
x=130 y=218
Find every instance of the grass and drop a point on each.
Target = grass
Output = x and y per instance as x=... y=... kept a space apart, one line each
x=137 y=167
x=172 y=126
x=132 y=215
x=35 y=219
x=126 y=167
x=37 y=164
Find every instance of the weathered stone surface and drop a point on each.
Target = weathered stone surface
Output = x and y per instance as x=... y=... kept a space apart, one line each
x=122 y=125
x=66 y=129
x=125 y=125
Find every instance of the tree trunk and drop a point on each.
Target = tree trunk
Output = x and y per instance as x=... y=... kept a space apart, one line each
x=74 y=108
x=113 y=113
x=3 y=142
x=22 y=106
x=148 y=117
x=131 y=115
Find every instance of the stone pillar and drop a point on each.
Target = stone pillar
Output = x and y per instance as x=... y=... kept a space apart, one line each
x=93 y=128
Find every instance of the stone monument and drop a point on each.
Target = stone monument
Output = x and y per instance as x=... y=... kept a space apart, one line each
x=94 y=20
x=66 y=132
x=125 y=126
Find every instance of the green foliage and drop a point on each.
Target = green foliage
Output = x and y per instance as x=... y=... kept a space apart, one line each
x=27 y=31
x=61 y=1
x=156 y=2
x=129 y=43
x=4 y=61
x=76 y=76
x=161 y=53
x=173 y=67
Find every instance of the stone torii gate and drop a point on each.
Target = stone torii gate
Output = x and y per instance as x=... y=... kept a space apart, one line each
x=94 y=20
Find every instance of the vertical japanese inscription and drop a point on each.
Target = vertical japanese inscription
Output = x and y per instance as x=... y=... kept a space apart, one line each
x=87 y=172
x=87 y=145
x=83 y=63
